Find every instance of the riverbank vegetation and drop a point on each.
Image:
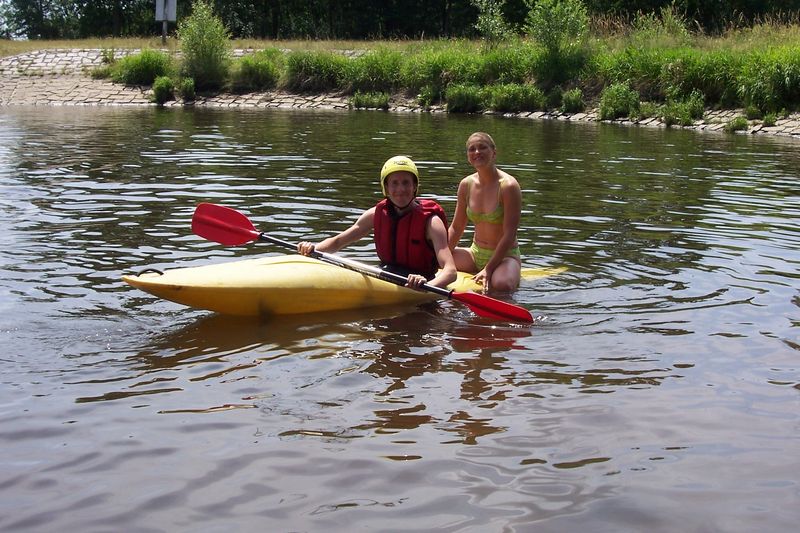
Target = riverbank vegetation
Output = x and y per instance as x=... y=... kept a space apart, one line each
x=561 y=57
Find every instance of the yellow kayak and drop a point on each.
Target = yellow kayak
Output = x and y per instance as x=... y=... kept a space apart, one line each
x=284 y=285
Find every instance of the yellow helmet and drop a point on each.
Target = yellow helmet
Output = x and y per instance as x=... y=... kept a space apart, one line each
x=398 y=163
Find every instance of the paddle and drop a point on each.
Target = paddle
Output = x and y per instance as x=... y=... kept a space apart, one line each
x=231 y=228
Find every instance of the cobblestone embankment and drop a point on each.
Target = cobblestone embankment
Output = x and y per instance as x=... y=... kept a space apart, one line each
x=61 y=78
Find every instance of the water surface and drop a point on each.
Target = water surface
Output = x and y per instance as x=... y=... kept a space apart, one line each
x=659 y=391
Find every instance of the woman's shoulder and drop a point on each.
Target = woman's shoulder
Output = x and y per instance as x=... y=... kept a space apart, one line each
x=466 y=181
x=507 y=180
x=469 y=179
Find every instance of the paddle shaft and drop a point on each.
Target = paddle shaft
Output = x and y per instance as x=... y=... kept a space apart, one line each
x=231 y=228
x=355 y=266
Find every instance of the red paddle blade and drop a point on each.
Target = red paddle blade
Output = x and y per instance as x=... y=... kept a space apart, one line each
x=490 y=308
x=223 y=225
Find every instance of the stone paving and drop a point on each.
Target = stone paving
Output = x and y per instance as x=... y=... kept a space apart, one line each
x=61 y=78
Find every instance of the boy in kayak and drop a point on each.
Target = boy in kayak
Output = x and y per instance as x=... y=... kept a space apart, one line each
x=410 y=233
x=492 y=200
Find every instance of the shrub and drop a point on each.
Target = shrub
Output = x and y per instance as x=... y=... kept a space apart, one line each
x=107 y=56
x=163 y=90
x=696 y=104
x=550 y=70
x=254 y=72
x=206 y=48
x=308 y=71
x=142 y=68
x=376 y=100
x=558 y=25
x=427 y=96
x=572 y=101
x=463 y=98
x=737 y=124
x=186 y=89
x=677 y=113
x=491 y=24
x=770 y=119
x=647 y=110
x=618 y=100
x=515 y=97
x=751 y=112
x=554 y=98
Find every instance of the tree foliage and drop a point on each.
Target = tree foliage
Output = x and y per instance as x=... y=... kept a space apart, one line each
x=346 y=19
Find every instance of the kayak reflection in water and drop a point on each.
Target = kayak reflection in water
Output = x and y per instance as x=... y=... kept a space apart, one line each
x=410 y=233
x=492 y=200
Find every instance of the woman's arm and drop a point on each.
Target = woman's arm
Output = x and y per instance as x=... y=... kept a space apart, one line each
x=512 y=212
x=459 y=222
x=437 y=235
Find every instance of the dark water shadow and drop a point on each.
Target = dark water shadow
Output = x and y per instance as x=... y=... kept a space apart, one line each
x=216 y=337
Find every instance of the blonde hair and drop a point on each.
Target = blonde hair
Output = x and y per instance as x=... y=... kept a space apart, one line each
x=485 y=137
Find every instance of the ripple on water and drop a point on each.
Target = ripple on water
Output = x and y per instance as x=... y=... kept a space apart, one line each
x=660 y=382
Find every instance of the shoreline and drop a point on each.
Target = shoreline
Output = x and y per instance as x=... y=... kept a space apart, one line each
x=59 y=77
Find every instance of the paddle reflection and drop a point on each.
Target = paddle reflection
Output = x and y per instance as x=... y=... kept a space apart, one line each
x=409 y=355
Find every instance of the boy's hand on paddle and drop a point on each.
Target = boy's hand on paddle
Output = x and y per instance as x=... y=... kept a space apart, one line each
x=305 y=248
x=415 y=281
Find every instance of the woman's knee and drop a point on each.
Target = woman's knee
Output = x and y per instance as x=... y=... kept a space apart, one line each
x=505 y=278
x=503 y=284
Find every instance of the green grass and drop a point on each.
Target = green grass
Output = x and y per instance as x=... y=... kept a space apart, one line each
x=373 y=71
x=258 y=71
x=369 y=101
x=465 y=98
x=659 y=60
x=737 y=124
x=309 y=72
x=141 y=68
x=515 y=98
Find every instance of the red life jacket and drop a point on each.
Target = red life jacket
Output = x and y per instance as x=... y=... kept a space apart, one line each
x=401 y=241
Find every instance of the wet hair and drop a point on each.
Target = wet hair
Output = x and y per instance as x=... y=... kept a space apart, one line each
x=485 y=137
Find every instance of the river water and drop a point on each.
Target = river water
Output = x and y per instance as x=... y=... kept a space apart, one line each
x=658 y=391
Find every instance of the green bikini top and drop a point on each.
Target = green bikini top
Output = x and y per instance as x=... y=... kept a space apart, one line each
x=493 y=217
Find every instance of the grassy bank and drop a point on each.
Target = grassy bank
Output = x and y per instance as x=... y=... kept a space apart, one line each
x=652 y=67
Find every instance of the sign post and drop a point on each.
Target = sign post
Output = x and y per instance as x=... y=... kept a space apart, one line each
x=165 y=11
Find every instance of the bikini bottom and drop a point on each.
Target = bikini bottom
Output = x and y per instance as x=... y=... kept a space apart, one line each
x=483 y=255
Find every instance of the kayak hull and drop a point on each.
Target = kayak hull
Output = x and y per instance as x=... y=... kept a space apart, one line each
x=280 y=285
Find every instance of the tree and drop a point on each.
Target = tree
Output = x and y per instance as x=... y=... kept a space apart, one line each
x=44 y=19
